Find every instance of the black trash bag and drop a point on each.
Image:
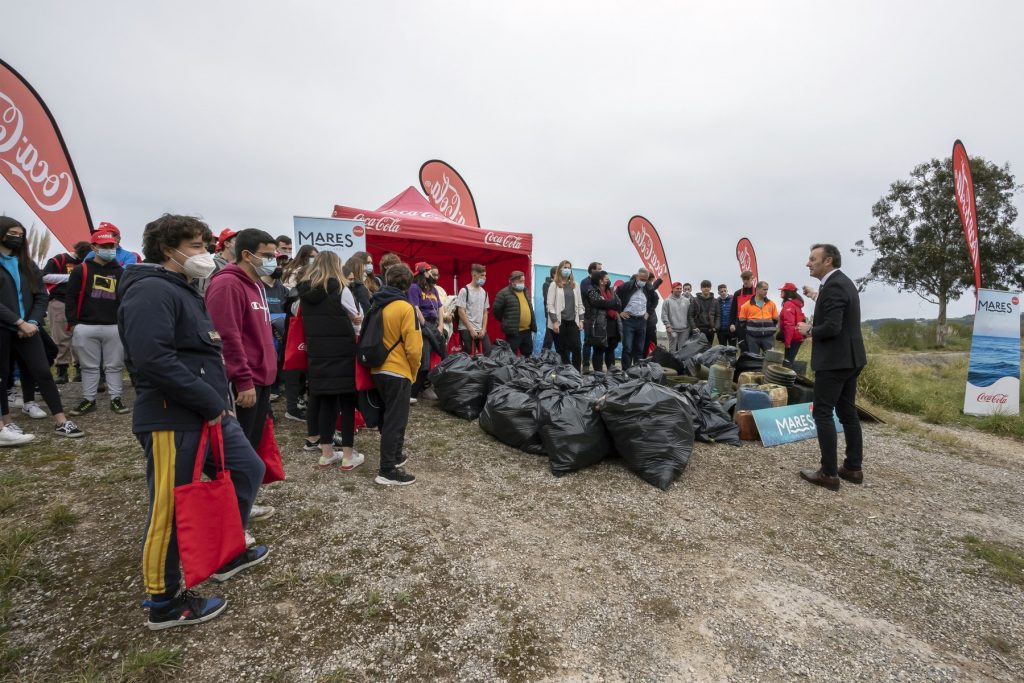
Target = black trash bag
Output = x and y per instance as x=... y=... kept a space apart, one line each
x=502 y=352
x=509 y=416
x=691 y=348
x=548 y=357
x=651 y=428
x=520 y=369
x=564 y=377
x=647 y=370
x=666 y=360
x=711 y=420
x=716 y=353
x=461 y=383
x=571 y=430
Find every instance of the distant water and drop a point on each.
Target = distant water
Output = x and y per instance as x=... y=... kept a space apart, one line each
x=992 y=358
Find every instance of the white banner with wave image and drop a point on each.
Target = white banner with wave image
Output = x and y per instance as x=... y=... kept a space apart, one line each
x=993 y=375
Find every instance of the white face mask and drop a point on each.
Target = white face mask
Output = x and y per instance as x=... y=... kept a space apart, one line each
x=199 y=266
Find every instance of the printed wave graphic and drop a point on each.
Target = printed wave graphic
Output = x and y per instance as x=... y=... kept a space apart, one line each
x=993 y=358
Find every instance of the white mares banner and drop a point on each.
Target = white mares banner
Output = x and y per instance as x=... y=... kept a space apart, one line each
x=993 y=376
x=343 y=236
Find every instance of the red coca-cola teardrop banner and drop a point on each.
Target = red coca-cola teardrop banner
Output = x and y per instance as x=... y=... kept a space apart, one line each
x=963 y=190
x=746 y=257
x=648 y=244
x=35 y=160
x=448 y=193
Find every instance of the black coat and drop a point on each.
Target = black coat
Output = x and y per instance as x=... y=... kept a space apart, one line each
x=34 y=303
x=626 y=290
x=330 y=340
x=361 y=294
x=836 y=340
x=506 y=310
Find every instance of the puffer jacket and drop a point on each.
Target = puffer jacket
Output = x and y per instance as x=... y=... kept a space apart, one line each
x=792 y=315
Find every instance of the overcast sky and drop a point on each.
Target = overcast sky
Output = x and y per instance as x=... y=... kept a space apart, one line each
x=780 y=121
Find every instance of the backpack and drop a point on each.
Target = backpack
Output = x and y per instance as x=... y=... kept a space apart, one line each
x=371 y=351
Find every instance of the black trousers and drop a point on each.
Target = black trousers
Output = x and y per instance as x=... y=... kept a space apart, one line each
x=726 y=338
x=394 y=393
x=322 y=417
x=794 y=348
x=605 y=358
x=837 y=390
x=251 y=420
x=521 y=342
x=651 y=335
x=567 y=343
x=32 y=354
x=467 y=343
x=549 y=340
x=293 y=382
x=588 y=349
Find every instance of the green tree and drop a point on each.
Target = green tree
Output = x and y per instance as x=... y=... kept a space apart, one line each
x=919 y=240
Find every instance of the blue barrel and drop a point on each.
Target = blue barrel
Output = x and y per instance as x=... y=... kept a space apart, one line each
x=752 y=398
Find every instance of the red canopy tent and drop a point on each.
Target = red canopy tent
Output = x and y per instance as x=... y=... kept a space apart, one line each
x=410 y=227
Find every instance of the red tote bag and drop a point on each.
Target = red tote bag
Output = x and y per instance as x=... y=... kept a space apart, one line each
x=270 y=454
x=206 y=515
x=295 y=348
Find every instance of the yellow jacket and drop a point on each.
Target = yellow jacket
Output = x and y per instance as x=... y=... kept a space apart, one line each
x=400 y=323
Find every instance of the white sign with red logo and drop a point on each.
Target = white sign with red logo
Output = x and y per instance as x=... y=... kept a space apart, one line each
x=343 y=236
x=993 y=376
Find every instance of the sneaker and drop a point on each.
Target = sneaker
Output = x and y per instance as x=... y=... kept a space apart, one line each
x=395 y=477
x=251 y=557
x=429 y=394
x=335 y=459
x=14 y=400
x=33 y=410
x=250 y=540
x=118 y=406
x=184 y=609
x=86 y=406
x=412 y=401
x=310 y=446
x=299 y=415
x=69 y=429
x=258 y=513
x=404 y=459
x=11 y=435
x=356 y=460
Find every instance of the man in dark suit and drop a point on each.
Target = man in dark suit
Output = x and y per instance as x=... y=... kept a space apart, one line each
x=837 y=357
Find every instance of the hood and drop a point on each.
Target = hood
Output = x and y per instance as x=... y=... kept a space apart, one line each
x=144 y=271
x=799 y=303
x=235 y=271
x=387 y=294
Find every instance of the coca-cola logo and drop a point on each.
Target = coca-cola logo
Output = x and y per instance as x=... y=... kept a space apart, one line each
x=745 y=258
x=992 y=398
x=447 y=199
x=965 y=201
x=380 y=223
x=505 y=241
x=1015 y=300
x=358 y=231
x=644 y=243
x=51 y=191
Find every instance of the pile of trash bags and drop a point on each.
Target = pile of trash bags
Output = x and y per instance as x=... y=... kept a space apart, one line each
x=685 y=361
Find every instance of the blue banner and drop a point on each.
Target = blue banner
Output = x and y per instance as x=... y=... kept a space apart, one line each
x=993 y=375
x=787 y=424
x=541 y=273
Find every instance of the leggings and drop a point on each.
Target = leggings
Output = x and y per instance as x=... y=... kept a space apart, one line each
x=322 y=416
x=32 y=353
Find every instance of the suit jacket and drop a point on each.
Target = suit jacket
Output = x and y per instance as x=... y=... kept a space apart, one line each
x=836 y=340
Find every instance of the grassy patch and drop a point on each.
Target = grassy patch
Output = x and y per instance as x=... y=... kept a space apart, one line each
x=1006 y=562
x=151 y=665
x=14 y=547
x=61 y=518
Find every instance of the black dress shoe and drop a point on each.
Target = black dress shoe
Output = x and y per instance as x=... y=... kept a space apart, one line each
x=819 y=478
x=852 y=476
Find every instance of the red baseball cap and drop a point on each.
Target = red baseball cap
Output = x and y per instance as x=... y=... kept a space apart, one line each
x=107 y=227
x=788 y=287
x=103 y=237
x=676 y=284
x=225 y=235
x=422 y=267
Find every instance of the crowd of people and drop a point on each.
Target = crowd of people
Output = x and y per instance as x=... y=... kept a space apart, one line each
x=201 y=324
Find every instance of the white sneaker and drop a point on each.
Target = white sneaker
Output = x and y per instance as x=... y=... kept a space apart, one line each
x=250 y=540
x=429 y=394
x=33 y=410
x=335 y=458
x=258 y=513
x=11 y=435
x=356 y=460
x=14 y=399
x=412 y=401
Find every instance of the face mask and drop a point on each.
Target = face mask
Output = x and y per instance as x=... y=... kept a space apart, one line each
x=480 y=281
x=641 y=282
x=519 y=286
x=431 y=279
x=566 y=272
x=277 y=273
x=199 y=266
x=369 y=269
x=268 y=266
x=107 y=254
x=310 y=260
x=13 y=242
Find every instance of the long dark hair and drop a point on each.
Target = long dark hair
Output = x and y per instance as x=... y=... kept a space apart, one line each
x=790 y=294
x=28 y=269
x=298 y=264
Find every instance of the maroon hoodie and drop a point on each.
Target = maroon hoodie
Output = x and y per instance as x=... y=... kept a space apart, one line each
x=238 y=308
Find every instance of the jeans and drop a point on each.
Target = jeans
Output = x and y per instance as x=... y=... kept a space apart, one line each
x=759 y=344
x=837 y=389
x=634 y=330
x=395 y=393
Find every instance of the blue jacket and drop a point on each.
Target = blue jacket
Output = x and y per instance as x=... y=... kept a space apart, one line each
x=726 y=308
x=172 y=350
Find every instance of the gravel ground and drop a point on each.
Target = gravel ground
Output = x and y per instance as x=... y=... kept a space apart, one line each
x=489 y=568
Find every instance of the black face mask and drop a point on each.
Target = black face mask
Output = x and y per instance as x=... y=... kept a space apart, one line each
x=13 y=242
x=277 y=273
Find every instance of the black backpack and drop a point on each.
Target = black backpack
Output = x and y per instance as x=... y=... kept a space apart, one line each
x=371 y=352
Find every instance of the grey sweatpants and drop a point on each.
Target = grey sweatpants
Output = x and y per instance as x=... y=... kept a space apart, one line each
x=95 y=344
x=678 y=339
